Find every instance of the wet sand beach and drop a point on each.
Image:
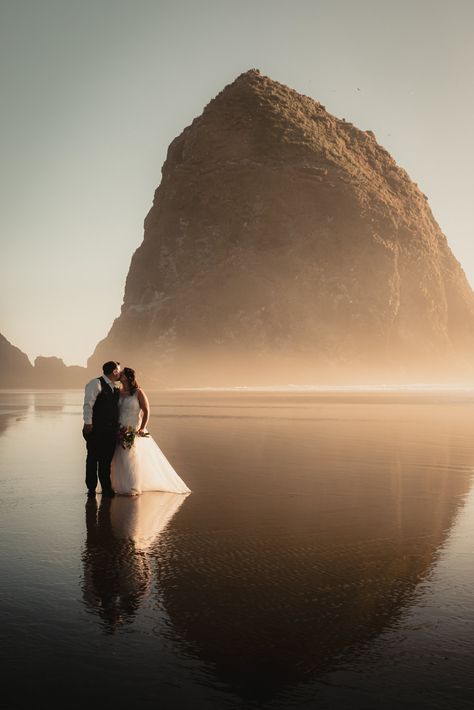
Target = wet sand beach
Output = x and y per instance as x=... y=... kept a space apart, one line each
x=323 y=559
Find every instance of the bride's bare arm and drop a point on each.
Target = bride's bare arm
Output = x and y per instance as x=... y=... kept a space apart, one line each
x=145 y=407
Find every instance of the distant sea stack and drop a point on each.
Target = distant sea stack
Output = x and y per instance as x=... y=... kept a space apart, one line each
x=52 y=372
x=285 y=245
x=15 y=368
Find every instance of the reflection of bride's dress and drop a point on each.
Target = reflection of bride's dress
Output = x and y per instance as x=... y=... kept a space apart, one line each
x=144 y=467
x=142 y=518
x=117 y=571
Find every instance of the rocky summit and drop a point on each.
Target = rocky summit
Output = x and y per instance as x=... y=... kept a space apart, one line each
x=285 y=245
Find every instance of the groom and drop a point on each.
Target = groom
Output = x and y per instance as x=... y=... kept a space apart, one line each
x=101 y=399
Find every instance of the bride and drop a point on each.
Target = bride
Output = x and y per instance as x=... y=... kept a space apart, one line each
x=140 y=466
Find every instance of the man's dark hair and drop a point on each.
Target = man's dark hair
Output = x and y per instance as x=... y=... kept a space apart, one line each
x=109 y=367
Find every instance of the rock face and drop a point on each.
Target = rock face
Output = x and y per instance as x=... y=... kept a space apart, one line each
x=15 y=368
x=16 y=371
x=286 y=245
x=52 y=372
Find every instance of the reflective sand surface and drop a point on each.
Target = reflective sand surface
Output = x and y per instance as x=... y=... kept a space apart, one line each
x=323 y=559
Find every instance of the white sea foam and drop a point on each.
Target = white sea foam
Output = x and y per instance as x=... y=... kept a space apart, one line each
x=408 y=388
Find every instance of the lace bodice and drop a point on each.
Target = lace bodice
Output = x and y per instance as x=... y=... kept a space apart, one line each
x=130 y=413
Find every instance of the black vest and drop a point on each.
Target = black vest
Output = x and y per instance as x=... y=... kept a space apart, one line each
x=105 y=409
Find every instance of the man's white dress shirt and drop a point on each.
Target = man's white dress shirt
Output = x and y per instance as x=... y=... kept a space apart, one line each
x=93 y=388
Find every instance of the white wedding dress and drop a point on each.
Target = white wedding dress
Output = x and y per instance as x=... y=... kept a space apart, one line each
x=142 y=519
x=143 y=467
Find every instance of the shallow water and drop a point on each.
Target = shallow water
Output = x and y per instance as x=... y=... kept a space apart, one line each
x=323 y=559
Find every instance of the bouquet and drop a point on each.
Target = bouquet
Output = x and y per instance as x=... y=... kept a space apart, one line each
x=126 y=436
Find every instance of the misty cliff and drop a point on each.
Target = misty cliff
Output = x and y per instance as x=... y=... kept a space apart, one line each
x=286 y=245
x=16 y=370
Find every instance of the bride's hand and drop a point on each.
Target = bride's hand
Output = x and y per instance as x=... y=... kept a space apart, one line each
x=143 y=432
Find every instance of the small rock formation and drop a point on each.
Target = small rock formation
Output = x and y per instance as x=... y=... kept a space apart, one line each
x=52 y=372
x=15 y=368
x=286 y=245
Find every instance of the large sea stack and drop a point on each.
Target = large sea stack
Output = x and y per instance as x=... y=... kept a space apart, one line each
x=285 y=245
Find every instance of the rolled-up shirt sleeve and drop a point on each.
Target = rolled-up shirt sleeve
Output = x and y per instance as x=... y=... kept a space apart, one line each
x=90 y=395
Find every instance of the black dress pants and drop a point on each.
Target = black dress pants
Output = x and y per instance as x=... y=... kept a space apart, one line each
x=100 y=450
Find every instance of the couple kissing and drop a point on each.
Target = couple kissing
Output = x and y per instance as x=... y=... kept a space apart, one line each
x=121 y=455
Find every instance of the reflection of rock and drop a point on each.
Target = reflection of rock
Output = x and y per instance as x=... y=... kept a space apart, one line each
x=285 y=244
x=272 y=587
x=46 y=401
x=116 y=569
x=13 y=408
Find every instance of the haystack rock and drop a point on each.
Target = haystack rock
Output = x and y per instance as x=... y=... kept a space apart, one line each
x=285 y=245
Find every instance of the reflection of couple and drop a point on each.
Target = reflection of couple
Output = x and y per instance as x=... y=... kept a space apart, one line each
x=117 y=574
x=121 y=468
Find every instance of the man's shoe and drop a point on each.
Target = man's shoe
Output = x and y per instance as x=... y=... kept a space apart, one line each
x=108 y=494
x=91 y=494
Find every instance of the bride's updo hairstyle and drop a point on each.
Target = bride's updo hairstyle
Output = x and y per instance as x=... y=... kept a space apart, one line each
x=130 y=375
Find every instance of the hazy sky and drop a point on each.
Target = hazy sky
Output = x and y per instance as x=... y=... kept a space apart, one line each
x=93 y=92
